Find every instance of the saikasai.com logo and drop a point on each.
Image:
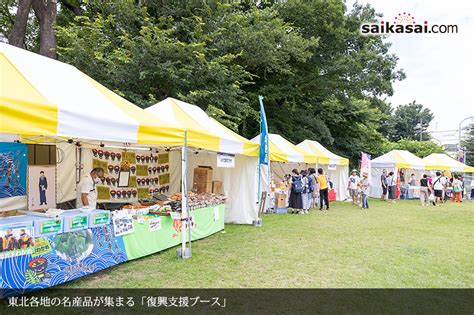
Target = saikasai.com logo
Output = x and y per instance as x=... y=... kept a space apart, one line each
x=405 y=23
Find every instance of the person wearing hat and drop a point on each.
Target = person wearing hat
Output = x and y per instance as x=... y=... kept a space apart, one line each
x=353 y=187
x=364 y=190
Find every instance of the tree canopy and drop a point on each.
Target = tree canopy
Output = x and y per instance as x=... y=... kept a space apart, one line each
x=320 y=78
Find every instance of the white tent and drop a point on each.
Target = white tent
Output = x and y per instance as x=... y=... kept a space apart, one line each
x=443 y=162
x=240 y=182
x=394 y=161
x=335 y=166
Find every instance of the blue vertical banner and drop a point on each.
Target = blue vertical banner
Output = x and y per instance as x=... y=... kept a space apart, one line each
x=264 y=150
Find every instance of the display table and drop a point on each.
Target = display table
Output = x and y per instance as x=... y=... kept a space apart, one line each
x=64 y=256
x=413 y=192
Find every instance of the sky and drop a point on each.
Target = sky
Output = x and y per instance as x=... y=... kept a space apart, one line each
x=439 y=67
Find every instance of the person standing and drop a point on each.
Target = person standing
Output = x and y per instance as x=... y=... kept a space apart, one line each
x=306 y=191
x=439 y=183
x=323 y=183
x=383 y=182
x=296 y=194
x=43 y=186
x=392 y=187
x=457 y=188
x=364 y=190
x=315 y=193
x=353 y=187
x=424 y=191
x=87 y=191
x=412 y=181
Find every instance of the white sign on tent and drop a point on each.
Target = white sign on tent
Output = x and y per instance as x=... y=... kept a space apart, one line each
x=225 y=160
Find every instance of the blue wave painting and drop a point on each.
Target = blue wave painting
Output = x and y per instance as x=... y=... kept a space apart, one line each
x=13 y=168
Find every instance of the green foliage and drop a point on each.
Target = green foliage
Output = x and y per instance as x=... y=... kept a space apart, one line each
x=468 y=143
x=419 y=148
x=406 y=119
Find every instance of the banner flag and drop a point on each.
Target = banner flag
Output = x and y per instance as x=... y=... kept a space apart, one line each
x=264 y=150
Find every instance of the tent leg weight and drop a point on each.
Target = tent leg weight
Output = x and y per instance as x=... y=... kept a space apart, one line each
x=186 y=255
x=257 y=222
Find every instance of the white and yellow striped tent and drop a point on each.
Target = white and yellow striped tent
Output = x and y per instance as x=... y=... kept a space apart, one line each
x=202 y=131
x=44 y=97
x=282 y=150
x=324 y=155
x=441 y=161
x=400 y=159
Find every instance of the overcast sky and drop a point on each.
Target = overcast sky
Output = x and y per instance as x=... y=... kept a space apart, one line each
x=439 y=67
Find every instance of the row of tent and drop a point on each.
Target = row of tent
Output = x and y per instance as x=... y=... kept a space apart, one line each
x=45 y=99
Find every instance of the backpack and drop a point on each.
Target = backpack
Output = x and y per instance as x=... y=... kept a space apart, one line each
x=297 y=184
x=310 y=183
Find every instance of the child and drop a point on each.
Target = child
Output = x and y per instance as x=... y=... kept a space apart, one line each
x=364 y=188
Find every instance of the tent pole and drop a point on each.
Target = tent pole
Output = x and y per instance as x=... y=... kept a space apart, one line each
x=185 y=253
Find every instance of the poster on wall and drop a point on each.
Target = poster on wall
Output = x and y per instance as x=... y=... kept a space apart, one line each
x=16 y=239
x=41 y=187
x=13 y=168
x=129 y=176
x=123 y=223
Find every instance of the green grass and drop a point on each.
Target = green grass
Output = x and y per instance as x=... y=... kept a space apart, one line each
x=398 y=245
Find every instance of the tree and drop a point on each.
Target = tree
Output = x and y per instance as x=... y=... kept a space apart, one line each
x=419 y=148
x=46 y=13
x=468 y=143
x=410 y=122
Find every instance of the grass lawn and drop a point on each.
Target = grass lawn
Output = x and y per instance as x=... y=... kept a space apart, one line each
x=398 y=245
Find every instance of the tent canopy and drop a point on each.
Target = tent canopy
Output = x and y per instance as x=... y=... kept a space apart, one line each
x=441 y=161
x=202 y=131
x=42 y=96
x=282 y=150
x=400 y=159
x=324 y=155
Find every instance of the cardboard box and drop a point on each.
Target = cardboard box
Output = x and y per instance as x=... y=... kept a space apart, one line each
x=280 y=200
x=217 y=187
x=202 y=179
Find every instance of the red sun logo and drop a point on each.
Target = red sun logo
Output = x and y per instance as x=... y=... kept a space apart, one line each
x=404 y=18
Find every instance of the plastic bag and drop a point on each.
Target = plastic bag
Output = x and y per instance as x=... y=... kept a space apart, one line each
x=431 y=197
